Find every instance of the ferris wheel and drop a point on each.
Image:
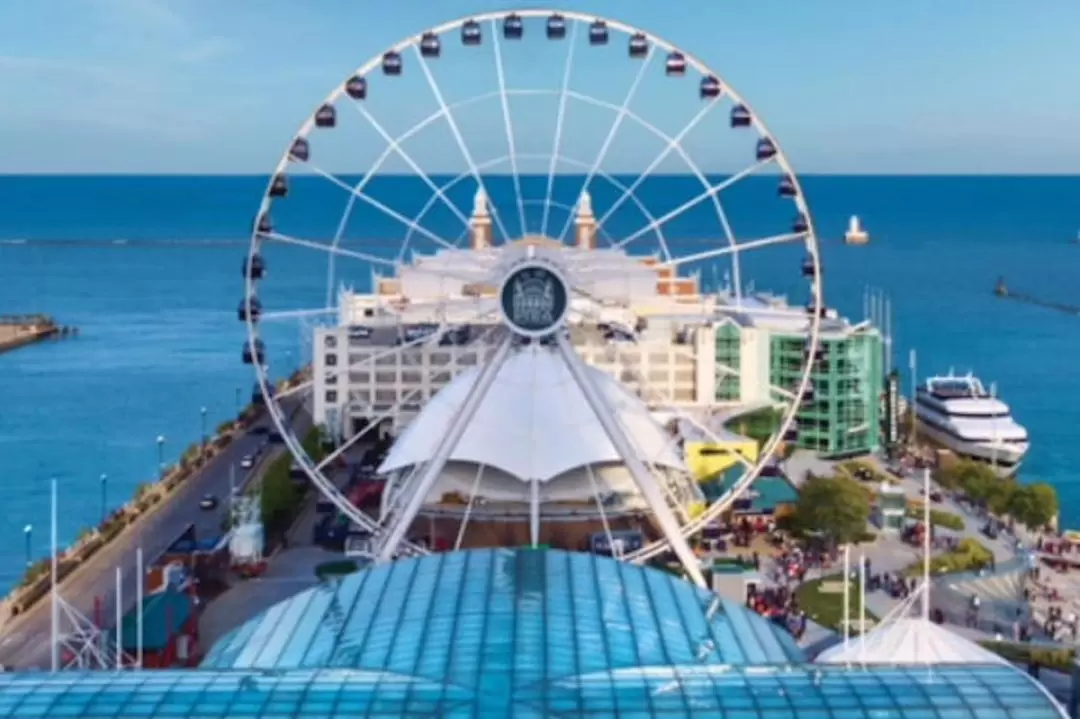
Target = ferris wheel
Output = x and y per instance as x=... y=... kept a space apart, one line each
x=476 y=262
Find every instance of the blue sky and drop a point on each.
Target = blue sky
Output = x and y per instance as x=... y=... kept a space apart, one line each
x=190 y=86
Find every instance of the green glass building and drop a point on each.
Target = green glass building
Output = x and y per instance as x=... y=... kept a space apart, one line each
x=758 y=361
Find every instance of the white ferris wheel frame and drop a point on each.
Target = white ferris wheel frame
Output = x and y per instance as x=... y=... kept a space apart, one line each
x=574 y=20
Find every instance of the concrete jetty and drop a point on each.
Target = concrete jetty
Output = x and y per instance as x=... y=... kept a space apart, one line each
x=20 y=330
x=1001 y=289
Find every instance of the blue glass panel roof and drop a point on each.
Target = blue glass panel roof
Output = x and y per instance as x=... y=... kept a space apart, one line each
x=808 y=692
x=503 y=617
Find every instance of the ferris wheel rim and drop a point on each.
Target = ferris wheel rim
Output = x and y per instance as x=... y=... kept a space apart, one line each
x=714 y=509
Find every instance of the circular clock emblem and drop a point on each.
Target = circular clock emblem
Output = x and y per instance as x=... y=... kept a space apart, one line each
x=534 y=300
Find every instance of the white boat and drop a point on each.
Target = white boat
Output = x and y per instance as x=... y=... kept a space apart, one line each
x=957 y=412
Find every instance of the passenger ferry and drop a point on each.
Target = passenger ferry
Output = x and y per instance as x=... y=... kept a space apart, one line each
x=958 y=413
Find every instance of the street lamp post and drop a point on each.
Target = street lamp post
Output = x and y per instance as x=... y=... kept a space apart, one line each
x=202 y=415
x=104 y=492
x=28 y=532
x=161 y=454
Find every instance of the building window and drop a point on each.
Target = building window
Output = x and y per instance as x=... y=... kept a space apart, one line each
x=331 y=396
x=331 y=379
x=331 y=360
x=330 y=341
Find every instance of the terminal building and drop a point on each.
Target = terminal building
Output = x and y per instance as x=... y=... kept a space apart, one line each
x=654 y=331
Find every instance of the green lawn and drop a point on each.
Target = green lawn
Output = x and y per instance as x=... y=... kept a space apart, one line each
x=823 y=601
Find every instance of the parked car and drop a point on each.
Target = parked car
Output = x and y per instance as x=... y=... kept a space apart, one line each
x=208 y=502
x=247 y=462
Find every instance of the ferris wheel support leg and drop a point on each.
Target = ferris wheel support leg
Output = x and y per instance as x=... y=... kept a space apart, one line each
x=399 y=527
x=644 y=479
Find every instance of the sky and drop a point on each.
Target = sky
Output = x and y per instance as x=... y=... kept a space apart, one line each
x=845 y=86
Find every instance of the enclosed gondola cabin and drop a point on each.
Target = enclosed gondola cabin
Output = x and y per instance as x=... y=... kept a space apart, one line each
x=300 y=150
x=791 y=434
x=598 y=33
x=766 y=150
x=740 y=116
x=257 y=398
x=325 y=116
x=254 y=266
x=676 y=64
x=639 y=45
x=800 y=224
x=430 y=45
x=710 y=88
x=356 y=87
x=808 y=267
x=470 y=33
x=787 y=188
x=254 y=352
x=391 y=63
x=256 y=309
x=263 y=224
x=556 y=27
x=513 y=27
x=279 y=186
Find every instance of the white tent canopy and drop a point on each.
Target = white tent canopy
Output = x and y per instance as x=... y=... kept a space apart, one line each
x=909 y=641
x=534 y=423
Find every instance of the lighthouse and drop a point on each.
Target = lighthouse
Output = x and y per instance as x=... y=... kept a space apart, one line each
x=855 y=234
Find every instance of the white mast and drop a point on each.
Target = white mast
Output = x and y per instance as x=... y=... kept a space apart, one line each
x=888 y=335
x=119 y=620
x=139 y=608
x=847 y=594
x=54 y=598
x=912 y=363
x=862 y=605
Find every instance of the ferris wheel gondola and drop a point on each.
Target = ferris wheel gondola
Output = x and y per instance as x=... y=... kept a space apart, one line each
x=469 y=319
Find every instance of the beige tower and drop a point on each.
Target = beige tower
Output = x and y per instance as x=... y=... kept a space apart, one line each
x=585 y=223
x=480 y=223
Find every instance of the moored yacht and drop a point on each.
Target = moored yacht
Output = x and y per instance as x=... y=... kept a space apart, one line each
x=957 y=412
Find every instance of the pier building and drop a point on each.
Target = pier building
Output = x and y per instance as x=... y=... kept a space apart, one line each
x=656 y=332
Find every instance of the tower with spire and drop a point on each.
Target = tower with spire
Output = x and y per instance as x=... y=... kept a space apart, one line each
x=480 y=222
x=585 y=223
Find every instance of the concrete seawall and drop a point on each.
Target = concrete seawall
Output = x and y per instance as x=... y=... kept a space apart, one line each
x=21 y=330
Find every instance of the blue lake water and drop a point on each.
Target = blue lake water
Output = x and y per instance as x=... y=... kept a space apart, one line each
x=160 y=339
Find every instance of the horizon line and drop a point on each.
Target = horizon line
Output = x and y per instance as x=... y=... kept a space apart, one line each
x=266 y=175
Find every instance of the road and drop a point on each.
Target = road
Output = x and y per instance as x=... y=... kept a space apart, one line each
x=25 y=642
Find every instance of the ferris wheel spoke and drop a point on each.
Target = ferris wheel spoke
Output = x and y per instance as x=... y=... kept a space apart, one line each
x=424 y=176
x=710 y=191
x=448 y=114
x=388 y=211
x=297 y=314
x=612 y=132
x=509 y=125
x=332 y=249
x=734 y=249
x=560 y=118
x=671 y=145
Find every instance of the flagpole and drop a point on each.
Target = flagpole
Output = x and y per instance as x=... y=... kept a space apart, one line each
x=847 y=593
x=926 y=545
x=138 y=608
x=862 y=605
x=119 y=620
x=54 y=570
x=913 y=365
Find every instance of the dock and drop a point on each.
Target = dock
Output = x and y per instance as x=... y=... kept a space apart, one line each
x=21 y=330
x=1001 y=289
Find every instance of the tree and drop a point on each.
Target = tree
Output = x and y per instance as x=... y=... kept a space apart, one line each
x=279 y=497
x=836 y=508
x=1034 y=505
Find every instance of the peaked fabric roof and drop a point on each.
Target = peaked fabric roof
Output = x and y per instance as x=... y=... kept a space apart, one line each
x=909 y=640
x=534 y=422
